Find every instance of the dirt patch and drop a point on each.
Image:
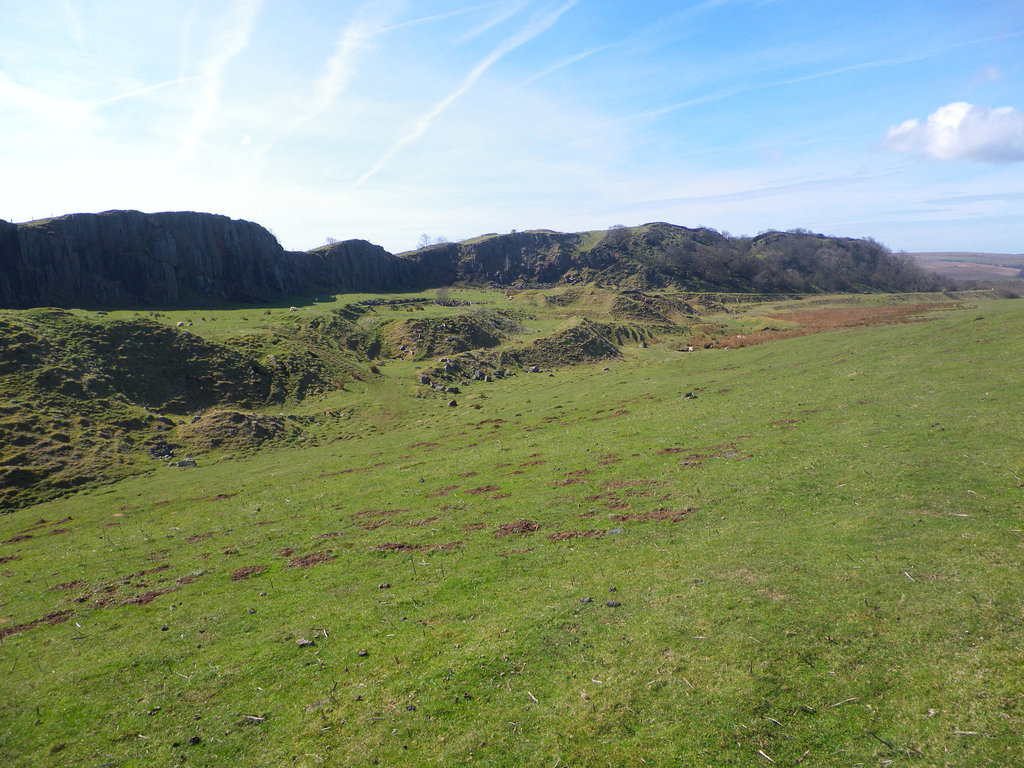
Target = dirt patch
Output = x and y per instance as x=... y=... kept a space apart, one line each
x=610 y=416
x=533 y=463
x=566 y=535
x=68 y=585
x=829 y=319
x=518 y=527
x=617 y=484
x=617 y=505
x=188 y=578
x=372 y=525
x=377 y=513
x=52 y=618
x=146 y=597
x=424 y=523
x=19 y=537
x=500 y=496
x=248 y=572
x=331 y=535
x=313 y=558
x=198 y=537
x=286 y=552
x=403 y=547
x=483 y=489
x=469 y=474
x=9 y=558
x=785 y=421
x=670 y=515
x=608 y=459
x=442 y=491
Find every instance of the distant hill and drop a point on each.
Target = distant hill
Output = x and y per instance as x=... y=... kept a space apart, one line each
x=965 y=265
x=129 y=258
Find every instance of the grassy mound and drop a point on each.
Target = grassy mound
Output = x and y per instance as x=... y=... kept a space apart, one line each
x=220 y=428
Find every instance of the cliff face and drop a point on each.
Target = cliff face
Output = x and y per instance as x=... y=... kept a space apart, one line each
x=126 y=258
x=123 y=258
x=531 y=257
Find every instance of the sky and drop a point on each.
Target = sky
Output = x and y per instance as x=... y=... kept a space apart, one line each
x=389 y=119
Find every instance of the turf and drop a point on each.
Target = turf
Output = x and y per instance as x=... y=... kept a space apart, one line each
x=813 y=559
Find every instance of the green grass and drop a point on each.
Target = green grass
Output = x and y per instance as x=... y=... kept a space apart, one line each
x=846 y=590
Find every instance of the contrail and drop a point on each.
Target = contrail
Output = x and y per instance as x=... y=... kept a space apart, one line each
x=422 y=124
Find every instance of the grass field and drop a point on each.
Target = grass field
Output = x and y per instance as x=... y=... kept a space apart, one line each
x=815 y=558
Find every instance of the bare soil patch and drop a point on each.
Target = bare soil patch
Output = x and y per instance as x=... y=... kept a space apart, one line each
x=146 y=597
x=442 y=491
x=830 y=319
x=68 y=585
x=404 y=547
x=474 y=526
x=248 y=572
x=313 y=558
x=518 y=527
x=198 y=537
x=483 y=489
x=58 y=617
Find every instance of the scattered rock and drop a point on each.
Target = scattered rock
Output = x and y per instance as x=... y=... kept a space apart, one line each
x=613 y=603
x=385 y=585
x=586 y=599
x=303 y=642
x=452 y=403
x=364 y=652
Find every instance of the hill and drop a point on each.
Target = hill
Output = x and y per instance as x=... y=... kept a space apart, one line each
x=165 y=260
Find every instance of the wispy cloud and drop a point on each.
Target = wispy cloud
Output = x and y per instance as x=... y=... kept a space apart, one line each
x=962 y=131
x=864 y=65
x=439 y=16
x=144 y=90
x=568 y=62
x=537 y=26
x=504 y=15
x=233 y=39
x=370 y=21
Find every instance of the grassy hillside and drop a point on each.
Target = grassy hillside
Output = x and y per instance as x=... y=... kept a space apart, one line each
x=803 y=552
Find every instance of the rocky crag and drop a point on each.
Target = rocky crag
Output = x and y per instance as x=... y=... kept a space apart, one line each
x=128 y=258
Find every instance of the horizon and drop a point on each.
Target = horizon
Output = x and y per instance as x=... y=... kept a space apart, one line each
x=382 y=121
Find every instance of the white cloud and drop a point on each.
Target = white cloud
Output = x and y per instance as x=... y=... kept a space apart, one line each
x=962 y=131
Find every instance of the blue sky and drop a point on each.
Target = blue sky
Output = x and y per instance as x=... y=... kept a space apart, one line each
x=385 y=119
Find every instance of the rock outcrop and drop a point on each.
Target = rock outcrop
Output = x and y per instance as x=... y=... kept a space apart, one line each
x=126 y=258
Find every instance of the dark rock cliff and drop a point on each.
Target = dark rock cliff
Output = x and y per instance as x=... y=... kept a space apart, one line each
x=124 y=258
